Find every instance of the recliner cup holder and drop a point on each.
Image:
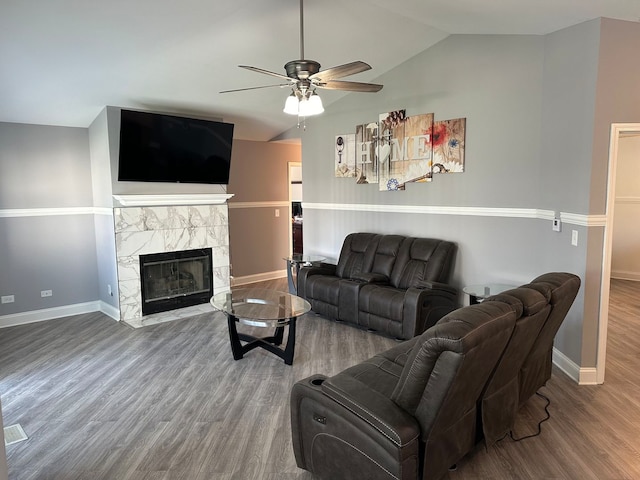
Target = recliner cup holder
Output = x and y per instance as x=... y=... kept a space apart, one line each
x=317 y=381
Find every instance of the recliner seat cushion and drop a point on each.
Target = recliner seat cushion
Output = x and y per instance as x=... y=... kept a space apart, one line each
x=381 y=301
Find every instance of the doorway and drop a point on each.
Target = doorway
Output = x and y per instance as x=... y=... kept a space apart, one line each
x=295 y=208
x=618 y=132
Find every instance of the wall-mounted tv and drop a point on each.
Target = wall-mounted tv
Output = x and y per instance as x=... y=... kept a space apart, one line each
x=165 y=148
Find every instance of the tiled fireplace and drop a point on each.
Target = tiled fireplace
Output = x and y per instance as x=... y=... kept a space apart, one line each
x=150 y=229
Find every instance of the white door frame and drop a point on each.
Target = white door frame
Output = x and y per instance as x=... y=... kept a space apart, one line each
x=291 y=165
x=605 y=285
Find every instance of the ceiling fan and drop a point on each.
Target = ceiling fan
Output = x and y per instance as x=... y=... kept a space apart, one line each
x=304 y=76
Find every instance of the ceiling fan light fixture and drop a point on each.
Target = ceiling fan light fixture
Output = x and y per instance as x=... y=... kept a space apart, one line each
x=315 y=104
x=291 y=104
x=310 y=105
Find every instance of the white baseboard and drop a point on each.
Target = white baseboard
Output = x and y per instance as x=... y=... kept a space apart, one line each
x=48 y=314
x=110 y=311
x=622 y=275
x=588 y=376
x=581 y=375
x=259 y=277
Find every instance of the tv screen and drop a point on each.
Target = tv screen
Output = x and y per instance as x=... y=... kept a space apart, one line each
x=165 y=148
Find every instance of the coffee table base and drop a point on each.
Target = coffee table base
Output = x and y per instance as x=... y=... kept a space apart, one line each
x=268 y=343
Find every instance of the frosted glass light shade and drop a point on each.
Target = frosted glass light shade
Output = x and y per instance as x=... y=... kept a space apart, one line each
x=311 y=106
x=304 y=107
x=315 y=104
x=291 y=105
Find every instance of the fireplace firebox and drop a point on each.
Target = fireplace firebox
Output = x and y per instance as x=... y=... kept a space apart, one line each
x=174 y=280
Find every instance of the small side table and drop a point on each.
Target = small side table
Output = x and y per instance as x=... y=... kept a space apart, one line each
x=293 y=267
x=477 y=293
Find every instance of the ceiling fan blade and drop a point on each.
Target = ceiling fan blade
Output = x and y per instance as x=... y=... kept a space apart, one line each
x=341 y=71
x=266 y=72
x=281 y=85
x=350 y=86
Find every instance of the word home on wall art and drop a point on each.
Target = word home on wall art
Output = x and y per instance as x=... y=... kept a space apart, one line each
x=397 y=150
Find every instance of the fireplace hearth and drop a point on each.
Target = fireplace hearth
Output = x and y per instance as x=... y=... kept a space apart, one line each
x=172 y=280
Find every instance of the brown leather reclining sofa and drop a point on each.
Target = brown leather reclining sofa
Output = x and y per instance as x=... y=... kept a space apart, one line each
x=415 y=410
x=392 y=284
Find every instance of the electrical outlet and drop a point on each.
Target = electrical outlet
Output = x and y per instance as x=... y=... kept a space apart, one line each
x=109 y=291
x=46 y=293
x=8 y=298
x=277 y=212
x=556 y=225
x=574 y=238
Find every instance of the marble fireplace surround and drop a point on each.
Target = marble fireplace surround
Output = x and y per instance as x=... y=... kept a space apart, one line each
x=147 y=224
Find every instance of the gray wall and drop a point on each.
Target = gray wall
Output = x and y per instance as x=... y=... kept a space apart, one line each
x=569 y=87
x=534 y=141
x=259 y=183
x=44 y=168
x=100 y=159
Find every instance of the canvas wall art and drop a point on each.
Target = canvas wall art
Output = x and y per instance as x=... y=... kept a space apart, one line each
x=397 y=150
x=366 y=153
x=345 y=155
x=448 y=145
x=404 y=149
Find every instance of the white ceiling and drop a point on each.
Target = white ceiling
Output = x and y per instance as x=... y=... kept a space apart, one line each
x=62 y=61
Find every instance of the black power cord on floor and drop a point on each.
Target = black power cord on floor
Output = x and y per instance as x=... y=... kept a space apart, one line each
x=546 y=409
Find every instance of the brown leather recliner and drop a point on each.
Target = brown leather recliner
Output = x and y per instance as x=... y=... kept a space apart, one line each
x=392 y=284
x=410 y=412
x=561 y=290
x=408 y=409
x=500 y=400
x=535 y=306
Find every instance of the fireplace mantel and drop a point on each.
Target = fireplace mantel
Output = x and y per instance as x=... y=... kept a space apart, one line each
x=171 y=199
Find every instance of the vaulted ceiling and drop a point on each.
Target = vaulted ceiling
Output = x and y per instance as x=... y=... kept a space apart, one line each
x=62 y=61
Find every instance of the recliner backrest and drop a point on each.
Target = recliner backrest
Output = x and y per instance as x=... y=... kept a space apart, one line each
x=499 y=403
x=561 y=289
x=386 y=254
x=423 y=260
x=357 y=254
x=445 y=373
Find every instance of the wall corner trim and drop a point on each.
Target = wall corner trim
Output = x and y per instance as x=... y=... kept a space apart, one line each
x=110 y=310
x=580 y=375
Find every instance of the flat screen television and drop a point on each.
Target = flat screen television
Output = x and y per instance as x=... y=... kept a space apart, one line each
x=165 y=148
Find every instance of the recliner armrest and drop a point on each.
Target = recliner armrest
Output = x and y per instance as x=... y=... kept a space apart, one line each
x=318 y=269
x=379 y=411
x=424 y=306
x=306 y=272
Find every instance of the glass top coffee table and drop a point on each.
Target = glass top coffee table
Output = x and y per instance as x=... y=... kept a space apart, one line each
x=261 y=308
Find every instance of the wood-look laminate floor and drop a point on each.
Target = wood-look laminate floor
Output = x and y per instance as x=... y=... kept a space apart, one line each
x=100 y=400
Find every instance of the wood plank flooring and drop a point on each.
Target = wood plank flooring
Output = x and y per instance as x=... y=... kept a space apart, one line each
x=100 y=400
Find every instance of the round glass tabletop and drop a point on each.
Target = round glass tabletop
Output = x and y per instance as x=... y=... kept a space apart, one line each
x=485 y=290
x=260 y=307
